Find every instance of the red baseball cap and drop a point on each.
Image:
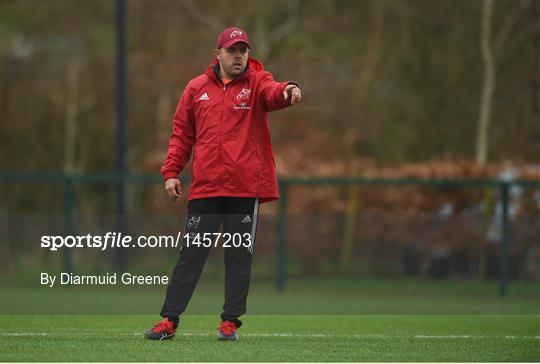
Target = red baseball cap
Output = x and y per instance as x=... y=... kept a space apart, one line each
x=231 y=36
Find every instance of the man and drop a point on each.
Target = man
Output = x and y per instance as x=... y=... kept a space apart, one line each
x=223 y=115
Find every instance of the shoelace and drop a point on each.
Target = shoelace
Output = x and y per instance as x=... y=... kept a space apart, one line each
x=227 y=327
x=162 y=325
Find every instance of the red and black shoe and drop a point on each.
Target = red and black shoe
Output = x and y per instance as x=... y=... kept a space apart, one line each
x=165 y=329
x=227 y=331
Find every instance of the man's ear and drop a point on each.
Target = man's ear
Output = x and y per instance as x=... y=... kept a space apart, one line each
x=217 y=53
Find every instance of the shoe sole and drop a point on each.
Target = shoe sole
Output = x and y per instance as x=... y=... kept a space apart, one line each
x=220 y=338
x=166 y=337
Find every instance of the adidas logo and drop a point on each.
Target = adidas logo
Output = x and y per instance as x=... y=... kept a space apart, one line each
x=246 y=219
x=204 y=97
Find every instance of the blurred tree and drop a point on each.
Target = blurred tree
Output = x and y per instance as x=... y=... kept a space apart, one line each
x=492 y=47
x=360 y=92
x=383 y=80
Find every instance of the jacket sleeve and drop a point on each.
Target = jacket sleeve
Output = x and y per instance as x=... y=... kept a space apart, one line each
x=182 y=137
x=272 y=93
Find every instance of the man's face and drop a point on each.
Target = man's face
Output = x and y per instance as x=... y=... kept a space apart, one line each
x=234 y=59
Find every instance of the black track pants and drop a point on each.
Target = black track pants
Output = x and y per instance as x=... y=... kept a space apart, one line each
x=238 y=216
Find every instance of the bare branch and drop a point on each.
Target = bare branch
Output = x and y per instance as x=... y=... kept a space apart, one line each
x=202 y=17
x=488 y=86
x=266 y=39
x=518 y=40
x=372 y=54
x=288 y=26
x=509 y=22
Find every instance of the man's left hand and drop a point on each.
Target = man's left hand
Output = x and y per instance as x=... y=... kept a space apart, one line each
x=293 y=92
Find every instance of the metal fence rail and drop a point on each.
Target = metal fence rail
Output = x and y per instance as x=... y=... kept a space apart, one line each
x=69 y=182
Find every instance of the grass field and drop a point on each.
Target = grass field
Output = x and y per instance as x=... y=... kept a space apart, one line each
x=275 y=338
x=314 y=296
x=335 y=319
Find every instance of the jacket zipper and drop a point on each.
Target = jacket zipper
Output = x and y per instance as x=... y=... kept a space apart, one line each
x=221 y=136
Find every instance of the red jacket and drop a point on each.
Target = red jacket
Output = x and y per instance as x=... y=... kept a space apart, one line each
x=228 y=126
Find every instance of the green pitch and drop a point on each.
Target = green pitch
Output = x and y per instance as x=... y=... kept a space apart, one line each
x=335 y=319
x=275 y=338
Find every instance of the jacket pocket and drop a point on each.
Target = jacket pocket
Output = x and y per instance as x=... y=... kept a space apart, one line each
x=257 y=166
x=205 y=164
x=267 y=166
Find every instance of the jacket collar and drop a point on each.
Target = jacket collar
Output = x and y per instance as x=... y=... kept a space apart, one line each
x=253 y=66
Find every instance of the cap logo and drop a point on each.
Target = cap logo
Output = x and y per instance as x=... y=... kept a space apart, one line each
x=236 y=34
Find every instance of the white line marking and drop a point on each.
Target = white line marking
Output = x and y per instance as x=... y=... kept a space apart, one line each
x=446 y=336
x=474 y=337
x=270 y=334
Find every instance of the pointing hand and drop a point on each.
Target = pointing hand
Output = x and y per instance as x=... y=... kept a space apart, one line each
x=294 y=92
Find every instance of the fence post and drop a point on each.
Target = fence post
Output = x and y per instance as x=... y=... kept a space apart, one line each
x=503 y=255
x=69 y=219
x=121 y=165
x=281 y=246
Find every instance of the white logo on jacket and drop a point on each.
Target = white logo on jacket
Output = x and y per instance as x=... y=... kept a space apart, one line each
x=243 y=97
x=244 y=94
x=204 y=97
x=242 y=106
